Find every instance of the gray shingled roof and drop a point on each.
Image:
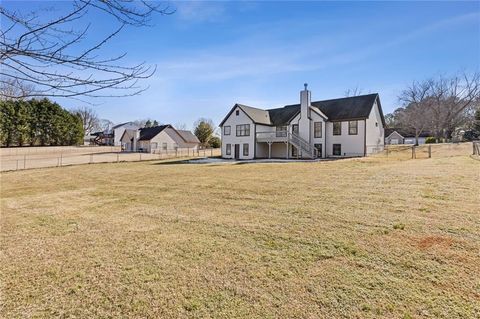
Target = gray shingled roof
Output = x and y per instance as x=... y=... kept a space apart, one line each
x=188 y=136
x=342 y=109
x=147 y=133
x=258 y=116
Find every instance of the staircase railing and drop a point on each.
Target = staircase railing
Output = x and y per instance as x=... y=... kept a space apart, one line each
x=302 y=145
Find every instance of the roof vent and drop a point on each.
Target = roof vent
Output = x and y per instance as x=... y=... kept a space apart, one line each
x=305 y=85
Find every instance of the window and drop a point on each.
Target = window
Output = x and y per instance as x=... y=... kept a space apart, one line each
x=281 y=131
x=237 y=112
x=175 y=146
x=318 y=147
x=154 y=146
x=337 y=128
x=245 y=149
x=317 y=129
x=227 y=130
x=352 y=127
x=295 y=128
x=243 y=130
x=337 y=149
x=164 y=146
x=228 y=150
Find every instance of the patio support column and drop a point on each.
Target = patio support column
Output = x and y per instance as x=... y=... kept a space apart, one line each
x=287 y=148
x=269 y=149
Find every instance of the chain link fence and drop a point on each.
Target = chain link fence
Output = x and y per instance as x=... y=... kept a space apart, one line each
x=59 y=157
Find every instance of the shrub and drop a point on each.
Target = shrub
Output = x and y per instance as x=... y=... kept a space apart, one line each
x=399 y=226
x=430 y=140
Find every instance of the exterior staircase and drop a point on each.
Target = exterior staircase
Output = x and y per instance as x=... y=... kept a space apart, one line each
x=305 y=149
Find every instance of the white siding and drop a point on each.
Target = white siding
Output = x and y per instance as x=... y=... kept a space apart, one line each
x=351 y=145
x=318 y=140
x=118 y=132
x=155 y=145
x=375 y=131
x=233 y=120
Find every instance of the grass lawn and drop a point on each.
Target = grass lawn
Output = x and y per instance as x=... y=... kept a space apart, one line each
x=350 y=238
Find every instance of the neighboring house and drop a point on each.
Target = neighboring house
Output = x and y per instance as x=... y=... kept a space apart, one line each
x=395 y=136
x=129 y=140
x=119 y=129
x=101 y=138
x=189 y=140
x=162 y=138
x=351 y=126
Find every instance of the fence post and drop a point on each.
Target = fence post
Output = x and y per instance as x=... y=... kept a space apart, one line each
x=24 y=161
x=17 y=166
x=429 y=151
x=413 y=151
x=118 y=157
x=61 y=159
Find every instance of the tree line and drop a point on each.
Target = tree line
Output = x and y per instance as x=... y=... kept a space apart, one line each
x=442 y=106
x=38 y=122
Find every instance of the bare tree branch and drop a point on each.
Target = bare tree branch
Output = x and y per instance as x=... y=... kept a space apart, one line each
x=51 y=55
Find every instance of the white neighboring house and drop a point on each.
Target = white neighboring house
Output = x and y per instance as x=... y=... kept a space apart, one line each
x=119 y=129
x=395 y=136
x=162 y=138
x=344 y=127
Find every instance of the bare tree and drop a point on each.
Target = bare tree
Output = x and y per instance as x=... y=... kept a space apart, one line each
x=441 y=104
x=106 y=125
x=10 y=87
x=455 y=99
x=416 y=113
x=181 y=126
x=353 y=92
x=90 y=120
x=415 y=118
x=51 y=55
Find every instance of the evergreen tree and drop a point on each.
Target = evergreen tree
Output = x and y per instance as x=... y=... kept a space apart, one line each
x=7 y=122
x=203 y=131
x=38 y=121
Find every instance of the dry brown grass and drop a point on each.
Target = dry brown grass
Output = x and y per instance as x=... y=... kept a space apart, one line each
x=351 y=238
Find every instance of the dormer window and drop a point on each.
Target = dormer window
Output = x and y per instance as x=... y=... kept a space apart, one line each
x=237 y=112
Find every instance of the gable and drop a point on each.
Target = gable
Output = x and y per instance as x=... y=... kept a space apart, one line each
x=147 y=133
x=249 y=112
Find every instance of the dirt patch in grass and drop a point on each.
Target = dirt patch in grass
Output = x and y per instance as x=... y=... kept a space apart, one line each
x=438 y=241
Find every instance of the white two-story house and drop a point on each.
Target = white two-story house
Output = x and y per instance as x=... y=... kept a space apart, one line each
x=344 y=127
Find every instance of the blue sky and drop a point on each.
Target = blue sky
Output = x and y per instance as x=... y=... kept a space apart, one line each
x=211 y=55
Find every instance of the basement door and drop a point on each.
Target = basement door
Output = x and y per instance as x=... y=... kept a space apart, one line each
x=237 y=151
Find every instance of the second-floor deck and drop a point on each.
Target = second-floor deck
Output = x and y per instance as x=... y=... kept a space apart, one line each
x=274 y=136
